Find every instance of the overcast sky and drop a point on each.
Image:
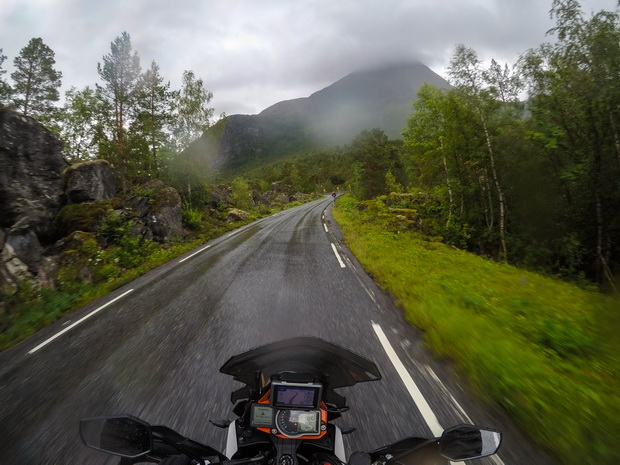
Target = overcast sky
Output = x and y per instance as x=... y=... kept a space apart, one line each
x=254 y=53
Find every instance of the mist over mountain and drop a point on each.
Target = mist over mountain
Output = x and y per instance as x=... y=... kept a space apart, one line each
x=373 y=98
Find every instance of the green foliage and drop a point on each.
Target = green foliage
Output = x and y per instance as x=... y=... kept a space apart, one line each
x=80 y=122
x=192 y=116
x=192 y=219
x=154 y=102
x=128 y=250
x=391 y=184
x=575 y=103
x=35 y=81
x=240 y=196
x=5 y=88
x=541 y=349
x=374 y=156
x=120 y=73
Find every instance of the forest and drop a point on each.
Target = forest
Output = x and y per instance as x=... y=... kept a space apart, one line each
x=532 y=181
x=516 y=162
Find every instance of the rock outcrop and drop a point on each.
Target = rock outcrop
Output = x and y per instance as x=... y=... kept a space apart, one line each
x=47 y=204
x=31 y=164
x=234 y=214
x=89 y=181
x=163 y=215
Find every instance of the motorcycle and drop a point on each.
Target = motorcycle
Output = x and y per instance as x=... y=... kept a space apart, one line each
x=284 y=416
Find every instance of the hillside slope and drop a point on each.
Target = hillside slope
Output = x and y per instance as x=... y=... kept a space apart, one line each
x=376 y=98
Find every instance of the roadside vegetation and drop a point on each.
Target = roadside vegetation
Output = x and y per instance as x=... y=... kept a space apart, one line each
x=494 y=222
x=90 y=271
x=541 y=349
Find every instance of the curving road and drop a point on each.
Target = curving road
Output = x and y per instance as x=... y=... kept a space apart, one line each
x=154 y=347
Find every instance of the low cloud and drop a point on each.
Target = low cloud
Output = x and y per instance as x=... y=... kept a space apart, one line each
x=253 y=54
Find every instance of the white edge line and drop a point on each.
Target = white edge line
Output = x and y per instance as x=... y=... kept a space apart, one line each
x=342 y=265
x=195 y=253
x=78 y=322
x=325 y=226
x=414 y=392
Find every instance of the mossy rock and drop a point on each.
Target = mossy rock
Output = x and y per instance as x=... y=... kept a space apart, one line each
x=82 y=216
x=166 y=197
x=81 y=164
x=408 y=213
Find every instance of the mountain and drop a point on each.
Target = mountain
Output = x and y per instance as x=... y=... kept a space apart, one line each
x=374 y=98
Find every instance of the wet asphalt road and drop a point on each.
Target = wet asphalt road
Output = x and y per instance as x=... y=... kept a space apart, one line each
x=156 y=351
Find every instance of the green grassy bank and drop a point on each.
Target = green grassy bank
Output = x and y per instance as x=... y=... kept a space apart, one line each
x=541 y=349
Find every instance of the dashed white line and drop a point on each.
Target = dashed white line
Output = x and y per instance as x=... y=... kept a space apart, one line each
x=325 y=226
x=342 y=265
x=195 y=253
x=79 y=321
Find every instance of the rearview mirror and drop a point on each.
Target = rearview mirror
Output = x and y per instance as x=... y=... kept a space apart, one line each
x=122 y=435
x=469 y=442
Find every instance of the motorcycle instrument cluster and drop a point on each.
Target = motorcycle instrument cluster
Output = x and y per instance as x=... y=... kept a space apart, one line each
x=291 y=395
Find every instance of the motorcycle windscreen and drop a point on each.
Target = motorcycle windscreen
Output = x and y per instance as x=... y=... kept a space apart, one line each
x=303 y=355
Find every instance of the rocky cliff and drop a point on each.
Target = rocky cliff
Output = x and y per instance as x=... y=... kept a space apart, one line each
x=48 y=207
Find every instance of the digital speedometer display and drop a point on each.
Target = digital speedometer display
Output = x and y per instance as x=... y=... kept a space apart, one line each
x=294 y=423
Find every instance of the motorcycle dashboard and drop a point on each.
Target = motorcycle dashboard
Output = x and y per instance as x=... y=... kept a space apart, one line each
x=295 y=395
x=291 y=423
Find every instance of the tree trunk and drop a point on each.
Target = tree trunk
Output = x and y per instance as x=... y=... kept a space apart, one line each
x=603 y=269
x=600 y=255
x=489 y=213
x=500 y=195
x=615 y=133
x=445 y=166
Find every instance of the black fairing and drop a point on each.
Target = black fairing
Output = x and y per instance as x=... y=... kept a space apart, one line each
x=335 y=366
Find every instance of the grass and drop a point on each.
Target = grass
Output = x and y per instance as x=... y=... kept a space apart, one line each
x=541 y=349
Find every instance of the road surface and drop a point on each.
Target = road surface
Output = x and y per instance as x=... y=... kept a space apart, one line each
x=153 y=348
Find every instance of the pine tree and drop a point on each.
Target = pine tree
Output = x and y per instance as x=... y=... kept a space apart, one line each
x=5 y=89
x=35 y=81
x=154 y=112
x=120 y=73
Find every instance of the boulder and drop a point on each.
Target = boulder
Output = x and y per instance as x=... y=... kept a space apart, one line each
x=89 y=181
x=31 y=164
x=234 y=214
x=164 y=218
x=140 y=206
x=26 y=247
x=12 y=271
x=281 y=199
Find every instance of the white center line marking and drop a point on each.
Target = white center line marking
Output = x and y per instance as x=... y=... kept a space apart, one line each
x=78 y=322
x=325 y=226
x=342 y=265
x=195 y=253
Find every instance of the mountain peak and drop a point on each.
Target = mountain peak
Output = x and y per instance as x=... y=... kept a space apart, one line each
x=374 y=97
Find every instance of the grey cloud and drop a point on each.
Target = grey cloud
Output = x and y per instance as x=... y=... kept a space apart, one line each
x=253 y=54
